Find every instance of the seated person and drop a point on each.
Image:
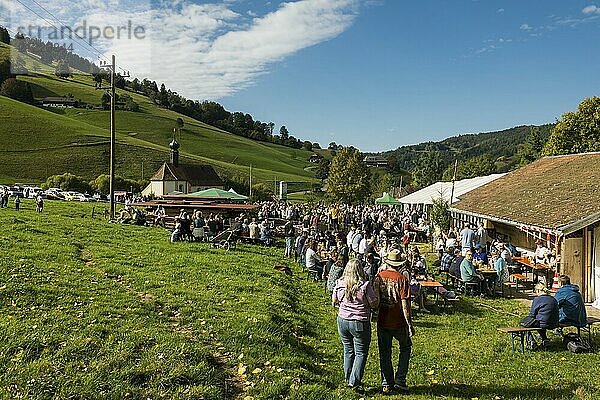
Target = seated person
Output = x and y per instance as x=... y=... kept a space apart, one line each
x=468 y=272
x=455 y=266
x=447 y=259
x=313 y=261
x=570 y=303
x=545 y=311
x=480 y=258
x=124 y=216
x=417 y=293
x=500 y=266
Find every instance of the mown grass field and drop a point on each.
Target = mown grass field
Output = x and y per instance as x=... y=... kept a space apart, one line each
x=25 y=130
x=99 y=311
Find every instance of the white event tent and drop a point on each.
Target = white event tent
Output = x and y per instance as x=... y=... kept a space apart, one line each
x=425 y=196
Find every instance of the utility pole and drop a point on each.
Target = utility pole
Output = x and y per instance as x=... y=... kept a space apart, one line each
x=453 y=181
x=112 y=138
x=250 y=180
x=111 y=68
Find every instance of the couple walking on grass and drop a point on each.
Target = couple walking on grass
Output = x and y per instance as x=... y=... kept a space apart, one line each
x=390 y=296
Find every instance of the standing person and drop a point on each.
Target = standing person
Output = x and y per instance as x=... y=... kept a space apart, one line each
x=482 y=236
x=394 y=321
x=39 y=203
x=17 y=202
x=355 y=296
x=254 y=231
x=467 y=236
x=288 y=232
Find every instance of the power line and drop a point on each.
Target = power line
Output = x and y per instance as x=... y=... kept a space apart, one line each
x=62 y=24
x=55 y=27
x=83 y=43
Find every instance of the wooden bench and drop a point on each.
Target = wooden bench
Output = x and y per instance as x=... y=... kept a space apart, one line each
x=518 y=332
x=450 y=301
x=509 y=285
x=517 y=278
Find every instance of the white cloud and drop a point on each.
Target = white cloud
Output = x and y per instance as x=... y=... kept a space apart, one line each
x=593 y=9
x=525 y=27
x=205 y=51
x=500 y=10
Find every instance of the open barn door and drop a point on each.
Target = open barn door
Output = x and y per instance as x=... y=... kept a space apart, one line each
x=596 y=268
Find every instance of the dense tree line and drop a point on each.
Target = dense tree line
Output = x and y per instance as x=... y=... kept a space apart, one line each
x=213 y=113
x=49 y=52
x=4 y=35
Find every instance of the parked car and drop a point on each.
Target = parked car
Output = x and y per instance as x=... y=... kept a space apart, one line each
x=70 y=196
x=32 y=192
x=15 y=191
x=55 y=194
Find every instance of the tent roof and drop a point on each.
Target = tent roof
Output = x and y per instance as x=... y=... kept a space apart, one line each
x=387 y=199
x=218 y=194
x=427 y=194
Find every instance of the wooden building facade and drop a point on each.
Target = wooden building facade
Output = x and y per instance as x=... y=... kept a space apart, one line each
x=555 y=200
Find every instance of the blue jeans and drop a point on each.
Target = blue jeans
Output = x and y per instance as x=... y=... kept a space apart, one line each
x=356 y=338
x=289 y=245
x=384 y=340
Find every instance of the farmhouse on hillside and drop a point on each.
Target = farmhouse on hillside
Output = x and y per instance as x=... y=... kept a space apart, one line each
x=555 y=200
x=174 y=177
x=315 y=158
x=375 y=161
x=59 y=102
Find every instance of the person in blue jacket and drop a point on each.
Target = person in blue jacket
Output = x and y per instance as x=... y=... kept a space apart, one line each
x=545 y=311
x=570 y=303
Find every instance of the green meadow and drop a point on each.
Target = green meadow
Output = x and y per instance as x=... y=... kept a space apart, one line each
x=76 y=135
x=91 y=310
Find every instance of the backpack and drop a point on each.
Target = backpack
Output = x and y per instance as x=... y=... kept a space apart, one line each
x=575 y=344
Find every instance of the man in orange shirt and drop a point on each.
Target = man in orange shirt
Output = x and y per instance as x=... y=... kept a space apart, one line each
x=393 y=321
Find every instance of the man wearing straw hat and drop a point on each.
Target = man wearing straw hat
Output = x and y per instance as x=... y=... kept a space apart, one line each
x=393 y=321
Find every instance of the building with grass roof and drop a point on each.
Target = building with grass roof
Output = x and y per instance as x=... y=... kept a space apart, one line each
x=555 y=200
x=173 y=177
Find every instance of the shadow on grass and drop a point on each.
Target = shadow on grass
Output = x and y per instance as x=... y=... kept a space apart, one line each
x=463 y=391
x=290 y=320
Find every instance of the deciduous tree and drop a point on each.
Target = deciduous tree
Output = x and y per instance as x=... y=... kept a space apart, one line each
x=348 y=180
x=576 y=132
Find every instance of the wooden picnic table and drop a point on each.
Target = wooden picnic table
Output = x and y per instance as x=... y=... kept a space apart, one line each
x=432 y=285
x=535 y=267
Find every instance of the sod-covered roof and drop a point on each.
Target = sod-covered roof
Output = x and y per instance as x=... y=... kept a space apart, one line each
x=552 y=192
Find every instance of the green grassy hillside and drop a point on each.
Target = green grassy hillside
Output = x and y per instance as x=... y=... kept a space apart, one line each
x=75 y=140
x=90 y=310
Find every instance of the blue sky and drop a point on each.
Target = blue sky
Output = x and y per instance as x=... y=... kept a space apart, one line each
x=376 y=74
x=407 y=72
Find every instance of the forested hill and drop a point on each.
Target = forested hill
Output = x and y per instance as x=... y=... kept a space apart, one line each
x=502 y=148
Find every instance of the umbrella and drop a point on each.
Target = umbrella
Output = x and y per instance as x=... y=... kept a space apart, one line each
x=386 y=199
x=219 y=194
